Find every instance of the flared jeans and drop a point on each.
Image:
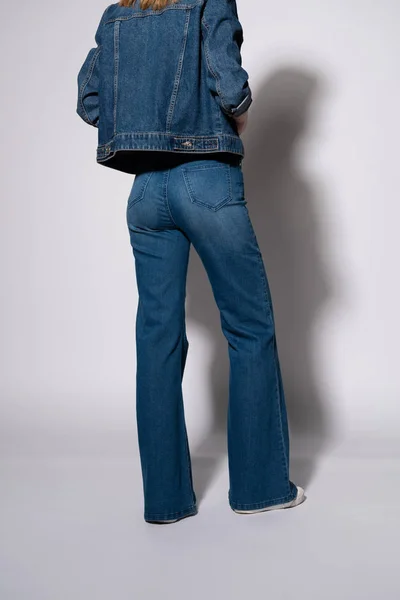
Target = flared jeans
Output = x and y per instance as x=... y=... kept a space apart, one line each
x=203 y=203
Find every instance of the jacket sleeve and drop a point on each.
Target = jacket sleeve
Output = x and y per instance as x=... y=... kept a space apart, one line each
x=88 y=80
x=222 y=40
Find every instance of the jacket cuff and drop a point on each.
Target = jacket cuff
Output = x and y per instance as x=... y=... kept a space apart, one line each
x=243 y=106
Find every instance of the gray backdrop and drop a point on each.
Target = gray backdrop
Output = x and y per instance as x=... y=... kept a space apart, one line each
x=322 y=183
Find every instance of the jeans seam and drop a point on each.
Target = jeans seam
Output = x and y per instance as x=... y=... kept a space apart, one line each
x=165 y=185
x=188 y=462
x=277 y=399
x=271 y=317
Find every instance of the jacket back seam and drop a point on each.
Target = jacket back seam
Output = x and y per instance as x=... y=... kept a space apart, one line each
x=116 y=66
x=178 y=75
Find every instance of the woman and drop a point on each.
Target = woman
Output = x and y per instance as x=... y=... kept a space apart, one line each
x=166 y=89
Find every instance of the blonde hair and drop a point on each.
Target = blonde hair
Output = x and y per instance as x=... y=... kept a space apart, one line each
x=154 y=4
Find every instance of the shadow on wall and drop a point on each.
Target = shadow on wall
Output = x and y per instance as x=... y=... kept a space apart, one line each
x=282 y=205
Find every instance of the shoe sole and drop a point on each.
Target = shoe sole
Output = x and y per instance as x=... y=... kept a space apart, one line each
x=163 y=522
x=300 y=498
x=171 y=520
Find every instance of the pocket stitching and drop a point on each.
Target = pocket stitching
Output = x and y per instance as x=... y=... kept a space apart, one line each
x=192 y=195
x=137 y=198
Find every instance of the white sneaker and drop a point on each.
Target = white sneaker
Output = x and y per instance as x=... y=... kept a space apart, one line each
x=162 y=522
x=299 y=499
x=172 y=520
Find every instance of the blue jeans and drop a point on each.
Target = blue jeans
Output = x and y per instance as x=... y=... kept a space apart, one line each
x=203 y=203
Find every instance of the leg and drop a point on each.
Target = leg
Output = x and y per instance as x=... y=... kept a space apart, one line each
x=161 y=255
x=257 y=428
x=219 y=226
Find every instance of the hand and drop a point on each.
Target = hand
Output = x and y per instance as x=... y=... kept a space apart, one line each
x=241 y=122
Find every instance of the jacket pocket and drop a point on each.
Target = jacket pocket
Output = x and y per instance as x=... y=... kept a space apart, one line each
x=139 y=187
x=209 y=185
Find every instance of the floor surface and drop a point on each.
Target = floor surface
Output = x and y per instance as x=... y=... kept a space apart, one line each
x=72 y=529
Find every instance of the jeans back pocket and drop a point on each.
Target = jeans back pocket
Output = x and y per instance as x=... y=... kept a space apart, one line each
x=139 y=187
x=208 y=185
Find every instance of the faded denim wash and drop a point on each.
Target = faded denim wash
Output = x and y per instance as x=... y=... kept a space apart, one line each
x=165 y=80
x=203 y=203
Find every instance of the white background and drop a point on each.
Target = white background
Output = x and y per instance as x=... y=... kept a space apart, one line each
x=324 y=207
x=322 y=183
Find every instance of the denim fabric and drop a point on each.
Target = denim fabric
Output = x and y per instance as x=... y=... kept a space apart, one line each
x=203 y=203
x=165 y=80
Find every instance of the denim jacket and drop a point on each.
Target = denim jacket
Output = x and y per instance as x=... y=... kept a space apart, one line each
x=165 y=80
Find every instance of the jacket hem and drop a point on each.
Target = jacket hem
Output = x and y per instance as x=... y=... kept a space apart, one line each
x=170 y=143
